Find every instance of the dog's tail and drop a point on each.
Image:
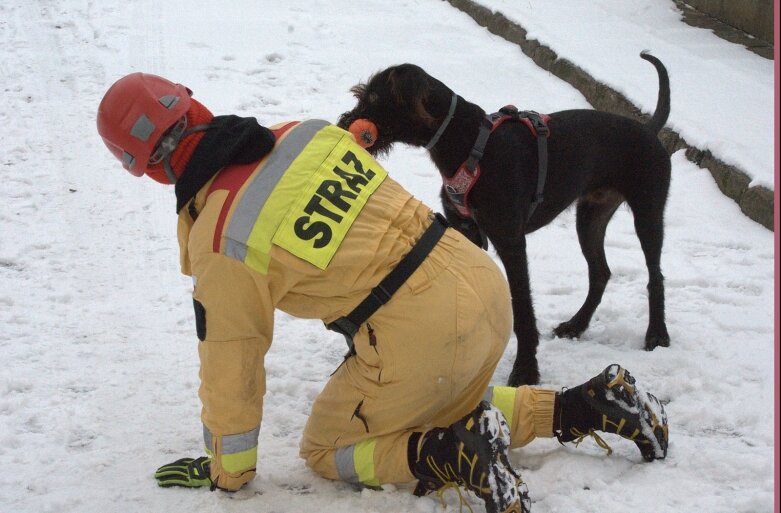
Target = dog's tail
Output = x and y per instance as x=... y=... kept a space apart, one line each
x=659 y=118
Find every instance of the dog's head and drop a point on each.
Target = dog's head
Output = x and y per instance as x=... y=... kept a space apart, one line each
x=398 y=101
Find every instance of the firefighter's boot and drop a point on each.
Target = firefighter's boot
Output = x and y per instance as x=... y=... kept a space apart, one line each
x=471 y=453
x=611 y=402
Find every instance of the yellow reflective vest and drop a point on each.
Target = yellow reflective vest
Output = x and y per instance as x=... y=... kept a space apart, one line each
x=309 y=229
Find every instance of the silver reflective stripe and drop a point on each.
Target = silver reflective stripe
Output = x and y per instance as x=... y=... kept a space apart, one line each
x=345 y=464
x=169 y=100
x=489 y=394
x=232 y=444
x=128 y=159
x=207 y=439
x=142 y=128
x=258 y=192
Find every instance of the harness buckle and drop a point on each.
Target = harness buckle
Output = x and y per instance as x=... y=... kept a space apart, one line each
x=344 y=327
x=537 y=123
x=381 y=294
x=455 y=197
x=542 y=128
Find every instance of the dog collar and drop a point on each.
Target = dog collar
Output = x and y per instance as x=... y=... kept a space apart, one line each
x=444 y=124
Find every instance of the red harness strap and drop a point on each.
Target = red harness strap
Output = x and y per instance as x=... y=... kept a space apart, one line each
x=461 y=183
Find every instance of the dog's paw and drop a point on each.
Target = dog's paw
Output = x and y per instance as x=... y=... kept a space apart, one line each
x=654 y=341
x=519 y=377
x=568 y=329
x=656 y=336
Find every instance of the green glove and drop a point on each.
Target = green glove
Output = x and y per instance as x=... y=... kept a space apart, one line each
x=193 y=473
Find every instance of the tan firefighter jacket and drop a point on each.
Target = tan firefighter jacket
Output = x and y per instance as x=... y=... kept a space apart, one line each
x=309 y=229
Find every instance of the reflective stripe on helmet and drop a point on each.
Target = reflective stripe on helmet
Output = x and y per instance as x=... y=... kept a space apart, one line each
x=142 y=128
x=168 y=101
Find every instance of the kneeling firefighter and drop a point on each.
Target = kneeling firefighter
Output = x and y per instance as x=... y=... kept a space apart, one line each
x=299 y=217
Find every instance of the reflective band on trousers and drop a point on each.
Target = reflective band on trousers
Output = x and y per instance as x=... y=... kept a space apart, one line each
x=355 y=463
x=237 y=452
x=504 y=399
x=233 y=443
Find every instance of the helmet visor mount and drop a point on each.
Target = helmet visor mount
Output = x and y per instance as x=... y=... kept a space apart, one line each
x=166 y=146
x=168 y=141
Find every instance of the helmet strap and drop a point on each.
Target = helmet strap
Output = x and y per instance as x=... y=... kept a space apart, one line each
x=169 y=171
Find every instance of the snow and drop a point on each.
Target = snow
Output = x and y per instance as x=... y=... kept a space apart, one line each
x=720 y=92
x=99 y=354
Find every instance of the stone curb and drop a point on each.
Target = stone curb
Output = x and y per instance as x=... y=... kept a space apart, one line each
x=756 y=202
x=692 y=16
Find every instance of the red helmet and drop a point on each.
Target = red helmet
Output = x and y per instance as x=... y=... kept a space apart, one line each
x=135 y=113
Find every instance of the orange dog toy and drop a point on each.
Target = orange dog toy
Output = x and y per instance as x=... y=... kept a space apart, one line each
x=364 y=131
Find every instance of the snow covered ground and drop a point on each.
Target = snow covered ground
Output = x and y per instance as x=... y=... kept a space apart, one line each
x=97 y=338
x=721 y=94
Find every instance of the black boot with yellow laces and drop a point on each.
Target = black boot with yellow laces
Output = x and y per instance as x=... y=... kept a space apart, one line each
x=471 y=453
x=611 y=402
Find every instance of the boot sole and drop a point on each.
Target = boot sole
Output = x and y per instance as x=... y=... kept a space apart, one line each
x=622 y=391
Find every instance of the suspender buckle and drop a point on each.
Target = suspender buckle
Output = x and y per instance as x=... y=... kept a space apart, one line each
x=349 y=324
x=381 y=294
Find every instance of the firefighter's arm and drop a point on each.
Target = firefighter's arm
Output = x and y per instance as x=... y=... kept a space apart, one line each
x=234 y=321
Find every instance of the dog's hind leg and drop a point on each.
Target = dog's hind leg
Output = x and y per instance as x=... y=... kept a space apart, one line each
x=649 y=225
x=594 y=211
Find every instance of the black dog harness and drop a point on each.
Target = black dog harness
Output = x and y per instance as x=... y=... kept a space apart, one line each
x=458 y=186
x=382 y=293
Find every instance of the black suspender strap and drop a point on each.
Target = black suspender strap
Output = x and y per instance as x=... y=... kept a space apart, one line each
x=381 y=294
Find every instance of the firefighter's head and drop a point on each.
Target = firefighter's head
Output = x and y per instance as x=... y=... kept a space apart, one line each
x=151 y=125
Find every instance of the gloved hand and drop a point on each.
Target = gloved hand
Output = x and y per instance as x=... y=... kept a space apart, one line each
x=192 y=473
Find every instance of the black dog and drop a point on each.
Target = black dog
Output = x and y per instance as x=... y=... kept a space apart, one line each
x=598 y=158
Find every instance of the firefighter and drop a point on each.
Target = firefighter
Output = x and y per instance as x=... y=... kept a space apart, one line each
x=300 y=218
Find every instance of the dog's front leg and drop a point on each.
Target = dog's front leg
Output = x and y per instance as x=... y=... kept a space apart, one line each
x=512 y=252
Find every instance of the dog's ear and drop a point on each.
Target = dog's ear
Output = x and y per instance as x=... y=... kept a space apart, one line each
x=409 y=86
x=358 y=91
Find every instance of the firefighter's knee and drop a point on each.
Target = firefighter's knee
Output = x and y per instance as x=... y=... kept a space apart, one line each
x=320 y=461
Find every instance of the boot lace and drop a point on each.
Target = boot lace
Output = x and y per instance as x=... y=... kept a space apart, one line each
x=462 y=502
x=591 y=434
